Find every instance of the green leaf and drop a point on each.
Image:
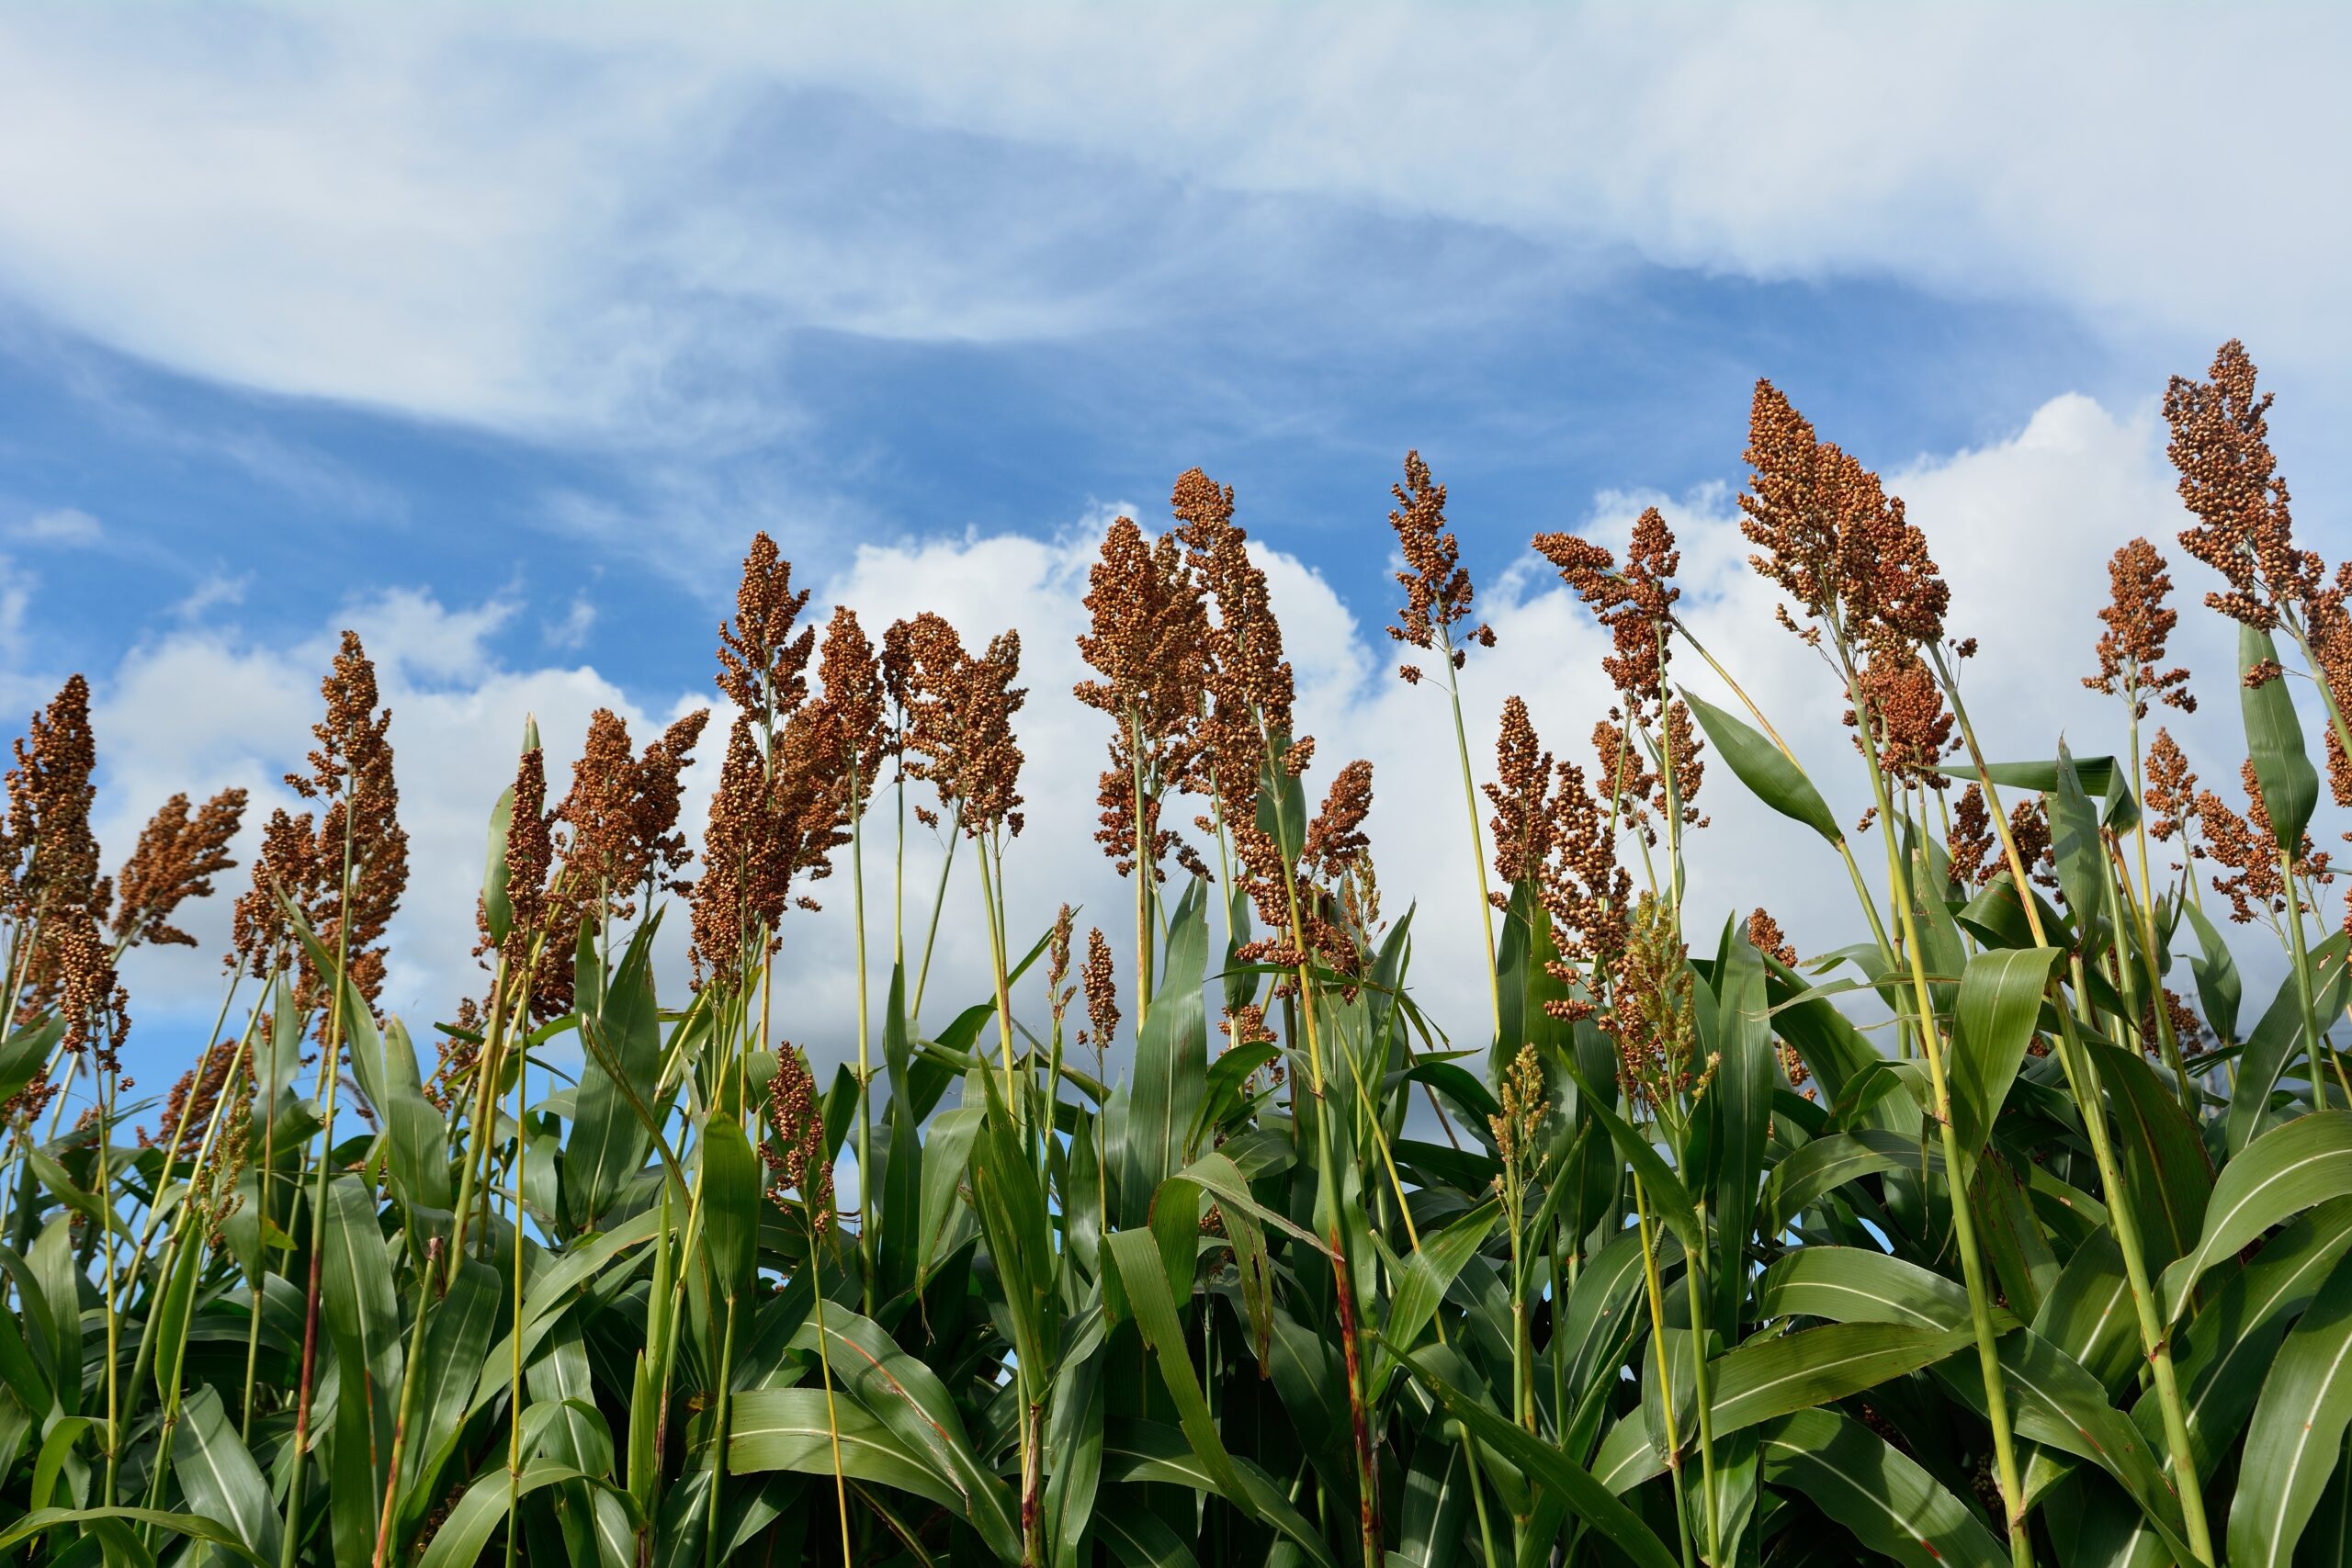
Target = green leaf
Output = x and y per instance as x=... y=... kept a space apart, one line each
x=1742 y=1097
x=1827 y=1162
x=1773 y=778
x=1893 y=1507
x=1421 y=1282
x=2274 y=738
x=26 y=1052
x=1550 y=1469
x=2221 y=1353
x=497 y=907
x=219 y=1477
x=1765 y=1378
x=458 y=1542
x=907 y=1398
x=1136 y=1538
x=1135 y=1257
x=1993 y=1023
x=1146 y=1451
x=1853 y=1284
x=1666 y=1194
x=456 y=1339
x=2285 y=1171
x=2278 y=1036
x=195 y=1526
x=2094 y=775
x=2164 y=1157
x=730 y=1196
x=1172 y=1061
x=2076 y=850
x=621 y=1040
x=2219 y=986
x=2295 y=1438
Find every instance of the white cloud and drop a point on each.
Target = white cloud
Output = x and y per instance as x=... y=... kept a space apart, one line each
x=66 y=528
x=2021 y=526
x=570 y=632
x=602 y=220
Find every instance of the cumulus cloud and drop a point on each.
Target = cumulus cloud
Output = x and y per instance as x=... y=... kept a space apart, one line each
x=572 y=222
x=2022 y=527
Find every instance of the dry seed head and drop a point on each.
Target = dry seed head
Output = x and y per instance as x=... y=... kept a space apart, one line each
x=1765 y=935
x=1437 y=592
x=1910 y=728
x=1636 y=605
x=798 y=1117
x=351 y=774
x=2171 y=788
x=1972 y=847
x=177 y=859
x=1831 y=535
x=2248 y=845
x=2139 y=624
x=49 y=861
x=1522 y=796
x=2229 y=479
x=1101 y=985
x=762 y=663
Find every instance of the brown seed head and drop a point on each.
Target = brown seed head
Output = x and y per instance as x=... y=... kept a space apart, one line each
x=1101 y=985
x=797 y=1113
x=1636 y=605
x=1831 y=537
x=1437 y=586
x=762 y=664
x=2139 y=624
x=2220 y=444
x=177 y=859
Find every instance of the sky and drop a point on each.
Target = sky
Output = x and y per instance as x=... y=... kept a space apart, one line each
x=495 y=332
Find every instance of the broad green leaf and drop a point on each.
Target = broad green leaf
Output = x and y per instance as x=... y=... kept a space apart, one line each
x=219 y=1477
x=1172 y=1061
x=2164 y=1167
x=2076 y=849
x=730 y=1196
x=1773 y=778
x=1421 y=1283
x=456 y=1339
x=1550 y=1469
x=458 y=1542
x=1137 y=1539
x=2285 y=1171
x=1997 y=1009
x=2274 y=738
x=1826 y=1163
x=1769 y=1377
x=2220 y=987
x=1853 y=1284
x=195 y=1526
x=621 y=1043
x=1741 y=1095
x=1893 y=1507
x=2278 y=1036
x=907 y=1397
x=2295 y=1438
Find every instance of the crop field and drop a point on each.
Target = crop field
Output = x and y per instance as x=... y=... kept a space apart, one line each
x=2017 y=1229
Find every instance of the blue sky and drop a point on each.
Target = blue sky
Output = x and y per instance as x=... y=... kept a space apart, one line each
x=501 y=330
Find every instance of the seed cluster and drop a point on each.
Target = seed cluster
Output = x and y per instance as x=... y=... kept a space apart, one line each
x=2139 y=624
x=2245 y=528
x=1438 y=591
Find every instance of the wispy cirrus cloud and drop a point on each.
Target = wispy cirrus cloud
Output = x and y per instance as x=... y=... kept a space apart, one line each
x=609 y=224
